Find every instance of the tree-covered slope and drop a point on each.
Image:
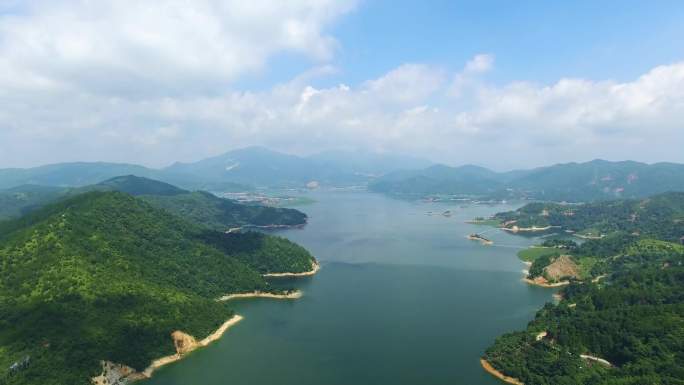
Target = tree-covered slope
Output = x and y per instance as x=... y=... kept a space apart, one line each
x=625 y=305
x=633 y=319
x=221 y=214
x=660 y=216
x=199 y=207
x=136 y=185
x=106 y=276
x=17 y=201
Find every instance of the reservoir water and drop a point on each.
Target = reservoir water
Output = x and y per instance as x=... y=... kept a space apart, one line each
x=402 y=298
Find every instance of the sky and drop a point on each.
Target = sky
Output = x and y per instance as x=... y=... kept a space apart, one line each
x=503 y=84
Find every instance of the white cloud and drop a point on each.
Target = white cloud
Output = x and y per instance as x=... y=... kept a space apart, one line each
x=479 y=64
x=167 y=46
x=120 y=81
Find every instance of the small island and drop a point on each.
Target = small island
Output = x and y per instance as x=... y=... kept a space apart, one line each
x=480 y=238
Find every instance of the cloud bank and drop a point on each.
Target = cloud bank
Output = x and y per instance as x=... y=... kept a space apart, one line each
x=128 y=81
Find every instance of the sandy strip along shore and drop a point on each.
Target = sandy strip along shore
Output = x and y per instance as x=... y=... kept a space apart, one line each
x=218 y=333
x=260 y=294
x=545 y=284
x=314 y=269
x=490 y=369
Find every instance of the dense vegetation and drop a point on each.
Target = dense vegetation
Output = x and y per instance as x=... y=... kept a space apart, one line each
x=660 y=217
x=221 y=214
x=105 y=275
x=571 y=182
x=199 y=207
x=257 y=250
x=20 y=200
x=633 y=317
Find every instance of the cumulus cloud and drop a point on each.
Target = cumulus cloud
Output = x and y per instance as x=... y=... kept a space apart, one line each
x=120 y=81
x=167 y=46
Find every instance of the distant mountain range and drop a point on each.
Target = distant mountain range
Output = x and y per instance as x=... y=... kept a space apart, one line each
x=257 y=167
x=571 y=182
x=238 y=170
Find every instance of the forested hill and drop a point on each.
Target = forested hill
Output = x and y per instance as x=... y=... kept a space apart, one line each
x=199 y=207
x=660 y=217
x=621 y=317
x=135 y=185
x=107 y=276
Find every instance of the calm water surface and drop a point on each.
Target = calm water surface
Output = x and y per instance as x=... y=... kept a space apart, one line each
x=402 y=298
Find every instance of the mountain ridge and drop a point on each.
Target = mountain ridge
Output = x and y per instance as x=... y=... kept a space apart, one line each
x=573 y=182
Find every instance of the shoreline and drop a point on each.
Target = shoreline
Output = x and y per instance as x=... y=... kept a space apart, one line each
x=546 y=284
x=261 y=294
x=516 y=229
x=315 y=267
x=218 y=333
x=232 y=230
x=490 y=369
x=113 y=373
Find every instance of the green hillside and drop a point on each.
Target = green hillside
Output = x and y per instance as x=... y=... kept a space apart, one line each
x=624 y=305
x=660 y=216
x=221 y=214
x=19 y=200
x=634 y=319
x=135 y=185
x=199 y=207
x=104 y=275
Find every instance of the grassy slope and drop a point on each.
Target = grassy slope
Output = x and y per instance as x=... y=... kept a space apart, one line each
x=108 y=276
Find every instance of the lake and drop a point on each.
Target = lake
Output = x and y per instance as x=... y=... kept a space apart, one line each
x=402 y=298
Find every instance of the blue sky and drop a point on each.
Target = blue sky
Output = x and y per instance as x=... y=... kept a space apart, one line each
x=455 y=81
x=531 y=40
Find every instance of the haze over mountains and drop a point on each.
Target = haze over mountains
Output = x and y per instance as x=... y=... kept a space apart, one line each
x=258 y=167
x=235 y=170
x=572 y=182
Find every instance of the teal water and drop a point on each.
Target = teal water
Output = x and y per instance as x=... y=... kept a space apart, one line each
x=402 y=298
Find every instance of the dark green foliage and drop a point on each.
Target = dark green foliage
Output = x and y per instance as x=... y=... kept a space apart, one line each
x=634 y=317
x=221 y=214
x=258 y=250
x=199 y=207
x=107 y=276
x=135 y=185
x=20 y=200
x=538 y=265
x=560 y=243
x=660 y=216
